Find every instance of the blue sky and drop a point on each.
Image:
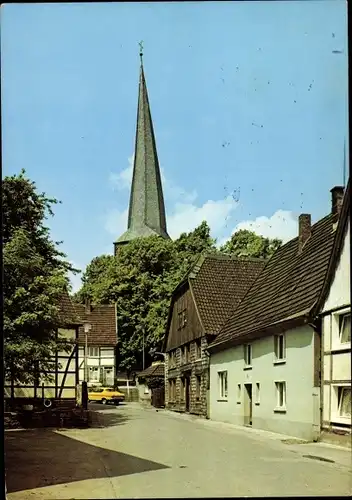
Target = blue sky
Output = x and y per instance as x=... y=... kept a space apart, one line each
x=248 y=99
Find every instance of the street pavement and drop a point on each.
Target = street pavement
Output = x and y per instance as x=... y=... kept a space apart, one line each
x=136 y=452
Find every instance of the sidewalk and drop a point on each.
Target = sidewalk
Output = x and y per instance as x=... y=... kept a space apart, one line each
x=323 y=451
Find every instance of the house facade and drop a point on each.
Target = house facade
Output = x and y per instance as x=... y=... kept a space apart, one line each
x=199 y=306
x=99 y=334
x=62 y=388
x=335 y=316
x=265 y=367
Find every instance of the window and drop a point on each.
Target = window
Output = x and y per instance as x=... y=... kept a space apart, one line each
x=93 y=352
x=280 y=395
x=179 y=321
x=222 y=384
x=198 y=349
x=198 y=386
x=248 y=354
x=172 y=390
x=345 y=328
x=257 y=393
x=182 y=319
x=93 y=374
x=280 y=348
x=182 y=391
x=186 y=355
x=344 y=402
x=238 y=393
x=172 y=359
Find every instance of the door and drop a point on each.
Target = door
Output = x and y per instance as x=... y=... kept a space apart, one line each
x=187 y=394
x=248 y=404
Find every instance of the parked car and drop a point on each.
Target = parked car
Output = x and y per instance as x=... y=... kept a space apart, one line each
x=105 y=395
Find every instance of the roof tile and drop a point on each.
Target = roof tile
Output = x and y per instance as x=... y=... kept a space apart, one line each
x=220 y=285
x=289 y=284
x=103 y=324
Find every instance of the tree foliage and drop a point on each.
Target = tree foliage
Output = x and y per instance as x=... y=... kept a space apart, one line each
x=244 y=243
x=141 y=279
x=35 y=276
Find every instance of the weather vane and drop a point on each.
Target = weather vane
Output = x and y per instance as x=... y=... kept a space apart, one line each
x=141 y=49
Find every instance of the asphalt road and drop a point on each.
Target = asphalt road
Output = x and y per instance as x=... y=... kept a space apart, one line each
x=131 y=452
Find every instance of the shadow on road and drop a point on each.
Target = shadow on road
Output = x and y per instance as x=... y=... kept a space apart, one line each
x=106 y=415
x=41 y=457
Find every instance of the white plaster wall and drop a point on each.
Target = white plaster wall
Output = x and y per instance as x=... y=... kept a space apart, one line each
x=340 y=290
x=297 y=372
x=107 y=361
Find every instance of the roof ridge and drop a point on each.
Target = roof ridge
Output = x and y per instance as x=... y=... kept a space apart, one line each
x=229 y=256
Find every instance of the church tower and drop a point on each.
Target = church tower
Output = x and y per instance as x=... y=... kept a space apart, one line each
x=146 y=215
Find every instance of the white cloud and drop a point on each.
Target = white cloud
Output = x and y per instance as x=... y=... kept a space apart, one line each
x=123 y=179
x=116 y=222
x=187 y=216
x=184 y=213
x=282 y=225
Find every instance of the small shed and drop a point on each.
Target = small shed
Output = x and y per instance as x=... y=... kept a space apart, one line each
x=151 y=384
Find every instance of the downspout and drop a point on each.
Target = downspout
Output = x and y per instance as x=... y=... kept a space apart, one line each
x=316 y=325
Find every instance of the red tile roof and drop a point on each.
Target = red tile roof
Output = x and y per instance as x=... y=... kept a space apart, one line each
x=157 y=370
x=68 y=312
x=288 y=286
x=219 y=286
x=103 y=324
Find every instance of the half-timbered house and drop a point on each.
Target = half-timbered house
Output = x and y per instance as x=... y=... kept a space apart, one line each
x=334 y=308
x=200 y=305
x=98 y=336
x=62 y=387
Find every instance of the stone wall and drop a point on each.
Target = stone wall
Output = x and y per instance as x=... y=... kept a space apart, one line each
x=192 y=369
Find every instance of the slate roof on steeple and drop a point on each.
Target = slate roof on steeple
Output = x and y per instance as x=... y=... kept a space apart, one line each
x=146 y=216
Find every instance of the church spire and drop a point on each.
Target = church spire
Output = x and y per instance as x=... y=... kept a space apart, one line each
x=146 y=214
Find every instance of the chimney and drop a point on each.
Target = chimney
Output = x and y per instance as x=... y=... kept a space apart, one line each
x=337 y=193
x=88 y=306
x=304 y=230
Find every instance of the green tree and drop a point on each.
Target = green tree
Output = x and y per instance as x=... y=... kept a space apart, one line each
x=244 y=243
x=140 y=280
x=35 y=277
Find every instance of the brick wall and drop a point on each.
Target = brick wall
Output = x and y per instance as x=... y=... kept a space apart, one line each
x=198 y=368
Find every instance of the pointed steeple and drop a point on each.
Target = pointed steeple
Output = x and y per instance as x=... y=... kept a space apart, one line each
x=146 y=215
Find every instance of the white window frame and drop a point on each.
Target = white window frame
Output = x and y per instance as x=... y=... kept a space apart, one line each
x=278 y=384
x=336 y=402
x=94 y=369
x=342 y=319
x=223 y=384
x=257 y=393
x=248 y=355
x=280 y=357
x=239 y=393
x=93 y=349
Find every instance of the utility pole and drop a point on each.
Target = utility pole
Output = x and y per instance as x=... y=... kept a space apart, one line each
x=87 y=328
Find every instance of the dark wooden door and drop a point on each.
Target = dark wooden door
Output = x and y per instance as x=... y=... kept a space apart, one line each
x=248 y=404
x=187 y=395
